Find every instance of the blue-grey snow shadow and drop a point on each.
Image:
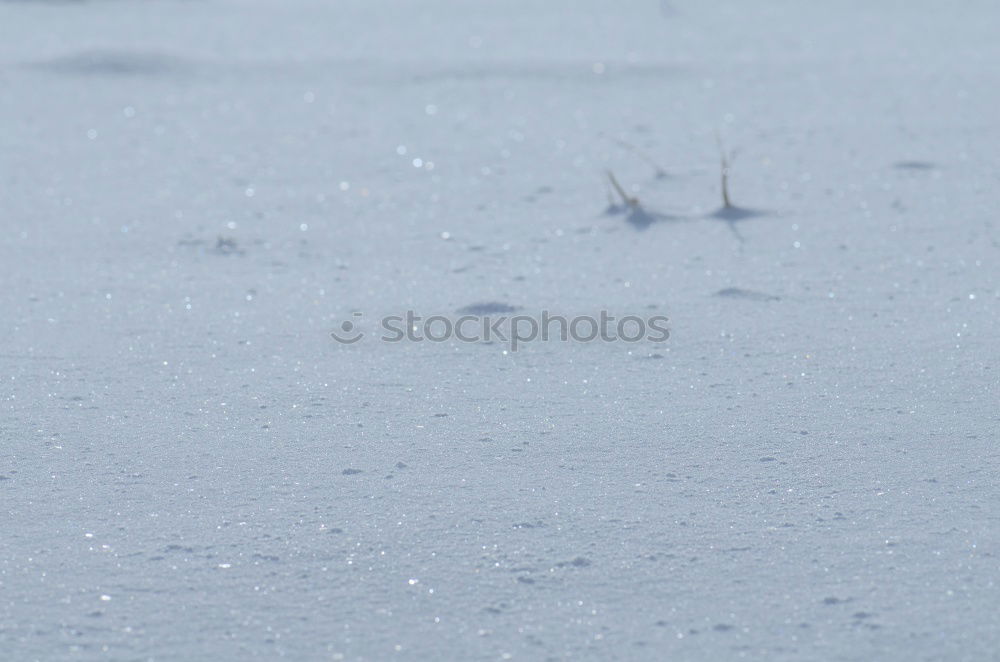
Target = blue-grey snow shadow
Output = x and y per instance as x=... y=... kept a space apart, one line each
x=487 y=308
x=636 y=215
x=747 y=295
x=580 y=72
x=223 y=245
x=640 y=218
x=733 y=215
x=914 y=165
x=112 y=63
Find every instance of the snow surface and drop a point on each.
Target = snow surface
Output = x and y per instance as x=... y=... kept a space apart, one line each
x=194 y=194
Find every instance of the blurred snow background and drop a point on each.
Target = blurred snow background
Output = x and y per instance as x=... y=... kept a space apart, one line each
x=194 y=194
